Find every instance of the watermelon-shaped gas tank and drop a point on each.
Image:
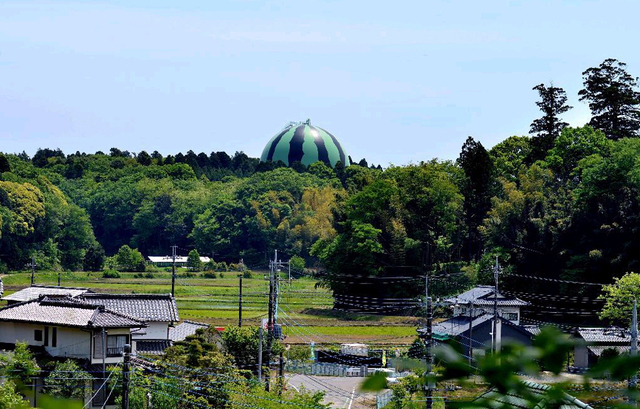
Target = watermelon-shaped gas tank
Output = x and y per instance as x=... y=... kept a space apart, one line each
x=305 y=143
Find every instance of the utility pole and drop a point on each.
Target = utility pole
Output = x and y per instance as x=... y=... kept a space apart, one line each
x=494 y=339
x=173 y=271
x=470 y=332
x=126 y=376
x=33 y=269
x=428 y=343
x=270 y=321
x=633 y=349
x=281 y=375
x=59 y=278
x=240 y=304
x=260 y=331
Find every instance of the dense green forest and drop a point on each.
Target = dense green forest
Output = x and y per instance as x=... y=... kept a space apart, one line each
x=562 y=203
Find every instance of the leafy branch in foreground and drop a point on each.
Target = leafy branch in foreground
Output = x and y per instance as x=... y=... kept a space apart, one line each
x=505 y=372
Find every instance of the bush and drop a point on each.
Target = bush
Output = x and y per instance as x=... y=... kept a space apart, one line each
x=188 y=274
x=209 y=274
x=193 y=261
x=67 y=381
x=247 y=274
x=221 y=275
x=111 y=274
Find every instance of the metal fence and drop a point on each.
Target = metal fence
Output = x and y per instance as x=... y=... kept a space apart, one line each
x=383 y=398
x=324 y=369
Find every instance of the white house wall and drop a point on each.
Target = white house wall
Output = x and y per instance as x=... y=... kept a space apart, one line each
x=155 y=330
x=71 y=342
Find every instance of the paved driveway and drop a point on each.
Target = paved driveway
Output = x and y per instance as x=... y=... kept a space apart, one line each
x=340 y=392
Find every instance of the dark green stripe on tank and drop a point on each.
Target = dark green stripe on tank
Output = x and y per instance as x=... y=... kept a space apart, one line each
x=323 y=154
x=295 y=146
x=275 y=142
x=335 y=141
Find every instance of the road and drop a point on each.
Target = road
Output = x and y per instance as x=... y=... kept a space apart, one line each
x=340 y=392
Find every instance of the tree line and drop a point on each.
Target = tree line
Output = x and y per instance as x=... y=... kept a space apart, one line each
x=561 y=203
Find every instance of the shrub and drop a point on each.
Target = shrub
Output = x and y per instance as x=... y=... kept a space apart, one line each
x=221 y=275
x=209 y=274
x=111 y=274
x=247 y=274
x=67 y=381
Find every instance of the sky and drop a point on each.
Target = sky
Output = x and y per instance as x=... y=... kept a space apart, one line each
x=396 y=82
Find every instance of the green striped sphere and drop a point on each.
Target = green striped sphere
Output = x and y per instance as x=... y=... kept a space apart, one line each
x=305 y=143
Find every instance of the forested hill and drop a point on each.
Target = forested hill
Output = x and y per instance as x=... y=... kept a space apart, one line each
x=560 y=205
x=572 y=214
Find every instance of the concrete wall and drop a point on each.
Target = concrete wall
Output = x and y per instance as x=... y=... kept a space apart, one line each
x=155 y=330
x=71 y=342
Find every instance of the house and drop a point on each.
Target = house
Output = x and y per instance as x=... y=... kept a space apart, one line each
x=158 y=311
x=67 y=327
x=481 y=301
x=186 y=328
x=596 y=341
x=35 y=291
x=538 y=393
x=475 y=334
x=167 y=261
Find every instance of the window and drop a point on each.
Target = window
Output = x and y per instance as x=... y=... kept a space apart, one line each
x=115 y=344
x=46 y=336
x=54 y=337
x=37 y=335
x=511 y=316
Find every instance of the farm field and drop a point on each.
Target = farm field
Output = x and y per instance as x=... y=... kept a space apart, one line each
x=304 y=310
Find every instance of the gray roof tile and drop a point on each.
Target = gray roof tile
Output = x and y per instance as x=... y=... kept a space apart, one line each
x=608 y=335
x=152 y=347
x=35 y=291
x=146 y=307
x=65 y=311
x=184 y=329
x=483 y=295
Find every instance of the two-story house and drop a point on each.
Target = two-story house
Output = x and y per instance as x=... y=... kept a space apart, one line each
x=158 y=311
x=67 y=327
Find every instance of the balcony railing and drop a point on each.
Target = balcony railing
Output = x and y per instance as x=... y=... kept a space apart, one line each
x=117 y=351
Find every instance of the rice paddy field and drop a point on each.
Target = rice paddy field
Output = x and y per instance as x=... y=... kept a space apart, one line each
x=304 y=309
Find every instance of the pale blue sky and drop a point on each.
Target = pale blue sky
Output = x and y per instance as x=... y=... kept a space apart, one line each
x=395 y=81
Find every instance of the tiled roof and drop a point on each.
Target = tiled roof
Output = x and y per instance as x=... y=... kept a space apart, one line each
x=598 y=349
x=184 y=329
x=146 y=307
x=533 y=329
x=457 y=325
x=483 y=295
x=66 y=312
x=492 y=398
x=35 y=291
x=605 y=335
x=152 y=347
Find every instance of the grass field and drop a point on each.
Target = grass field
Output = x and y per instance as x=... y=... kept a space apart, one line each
x=305 y=310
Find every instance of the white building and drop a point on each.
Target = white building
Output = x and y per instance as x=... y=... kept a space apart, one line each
x=69 y=328
x=481 y=300
x=158 y=311
x=166 y=261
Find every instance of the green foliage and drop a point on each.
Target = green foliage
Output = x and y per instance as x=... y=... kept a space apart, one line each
x=9 y=398
x=67 y=380
x=193 y=261
x=19 y=365
x=614 y=102
x=128 y=259
x=619 y=298
x=297 y=266
x=553 y=103
x=110 y=274
x=243 y=343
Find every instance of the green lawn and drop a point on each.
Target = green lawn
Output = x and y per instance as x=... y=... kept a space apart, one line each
x=306 y=310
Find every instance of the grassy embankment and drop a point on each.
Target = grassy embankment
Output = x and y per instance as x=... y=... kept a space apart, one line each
x=305 y=310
